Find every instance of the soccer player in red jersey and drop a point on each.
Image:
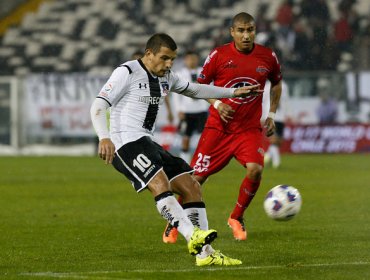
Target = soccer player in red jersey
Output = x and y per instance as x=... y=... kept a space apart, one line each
x=233 y=128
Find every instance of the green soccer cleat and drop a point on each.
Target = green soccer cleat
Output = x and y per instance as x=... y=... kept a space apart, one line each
x=217 y=258
x=199 y=239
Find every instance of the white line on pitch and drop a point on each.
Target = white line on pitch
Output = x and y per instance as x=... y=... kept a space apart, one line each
x=80 y=275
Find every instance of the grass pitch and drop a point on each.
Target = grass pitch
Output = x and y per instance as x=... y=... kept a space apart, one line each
x=76 y=218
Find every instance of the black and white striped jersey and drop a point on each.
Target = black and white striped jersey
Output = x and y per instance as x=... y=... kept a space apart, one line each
x=135 y=96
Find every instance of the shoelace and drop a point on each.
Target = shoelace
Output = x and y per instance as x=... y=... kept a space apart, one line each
x=241 y=221
x=168 y=229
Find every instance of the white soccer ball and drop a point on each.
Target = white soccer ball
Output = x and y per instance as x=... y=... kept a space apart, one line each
x=282 y=203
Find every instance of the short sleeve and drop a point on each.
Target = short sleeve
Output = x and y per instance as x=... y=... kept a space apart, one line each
x=275 y=75
x=207 y=74
x=114 y=88
x=177 y=83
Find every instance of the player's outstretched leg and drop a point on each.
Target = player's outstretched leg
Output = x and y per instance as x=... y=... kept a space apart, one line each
x=170 y=234
x=200 y=238
x=217 y=258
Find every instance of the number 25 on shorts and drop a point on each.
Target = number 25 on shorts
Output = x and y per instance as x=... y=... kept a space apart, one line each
x=202 y=162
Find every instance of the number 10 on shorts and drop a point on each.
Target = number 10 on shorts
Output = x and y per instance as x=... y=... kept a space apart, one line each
x=141 y=162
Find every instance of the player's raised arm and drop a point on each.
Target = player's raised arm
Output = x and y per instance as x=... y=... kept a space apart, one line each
x=201 y=91
x=248 y=91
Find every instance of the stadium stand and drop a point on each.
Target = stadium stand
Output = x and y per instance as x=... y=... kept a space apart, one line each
x=94 y=36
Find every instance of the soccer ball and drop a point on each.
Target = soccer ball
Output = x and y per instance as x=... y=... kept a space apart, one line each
x=282 y=203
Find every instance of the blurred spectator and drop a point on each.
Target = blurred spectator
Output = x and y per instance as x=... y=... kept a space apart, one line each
x=347 y=26
x=315 y=10
x=327 y=110
x=319 y=20
x=301 y=60
x=303 y=32
x=192 y=113
x=262 y=22
x=284 y=15
x=272 y=155
x=285 y=42
x=343 y=34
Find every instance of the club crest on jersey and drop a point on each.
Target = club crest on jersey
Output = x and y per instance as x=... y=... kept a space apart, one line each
x=242 y=82
x=165 y=87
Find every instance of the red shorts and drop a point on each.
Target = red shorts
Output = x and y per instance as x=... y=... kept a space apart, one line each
x=216 y=149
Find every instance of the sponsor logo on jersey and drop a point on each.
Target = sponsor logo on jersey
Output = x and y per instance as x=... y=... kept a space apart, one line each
x=202 y=76
x=261 y=69
x=229 y=64
x=143 y=86
x=153 y=100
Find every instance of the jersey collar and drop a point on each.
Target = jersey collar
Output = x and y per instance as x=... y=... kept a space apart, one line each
x=232 y=44
x=149 y=73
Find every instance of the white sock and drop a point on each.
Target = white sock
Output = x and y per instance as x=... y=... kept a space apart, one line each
x=275 y=155
x=171 y=210
x=196 y=212
x=267 y=156
x=206 y=251
x=198 y=216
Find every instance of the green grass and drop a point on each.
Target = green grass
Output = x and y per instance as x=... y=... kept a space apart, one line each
x=76 y=218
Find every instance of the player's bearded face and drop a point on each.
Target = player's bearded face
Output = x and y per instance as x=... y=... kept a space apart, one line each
x=243 y=34
x=162 y=61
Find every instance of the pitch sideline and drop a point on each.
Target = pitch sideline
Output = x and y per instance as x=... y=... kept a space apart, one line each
x=88 y=274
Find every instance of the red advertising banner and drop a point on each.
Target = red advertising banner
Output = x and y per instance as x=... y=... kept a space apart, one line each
x=341 y=138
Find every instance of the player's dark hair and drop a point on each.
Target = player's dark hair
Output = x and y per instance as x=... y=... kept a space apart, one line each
x=159 y=40
x=242 y=17
x=191 y=52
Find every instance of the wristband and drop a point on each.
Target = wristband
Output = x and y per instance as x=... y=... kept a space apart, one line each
x=216 y=104
x=271 y=115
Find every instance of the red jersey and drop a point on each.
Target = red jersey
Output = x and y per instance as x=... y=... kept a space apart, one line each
x=227 y=67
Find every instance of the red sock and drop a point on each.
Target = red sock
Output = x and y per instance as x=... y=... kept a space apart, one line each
x=247 y=191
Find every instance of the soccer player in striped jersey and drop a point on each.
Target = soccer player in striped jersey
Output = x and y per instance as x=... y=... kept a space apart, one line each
x=134 y=92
